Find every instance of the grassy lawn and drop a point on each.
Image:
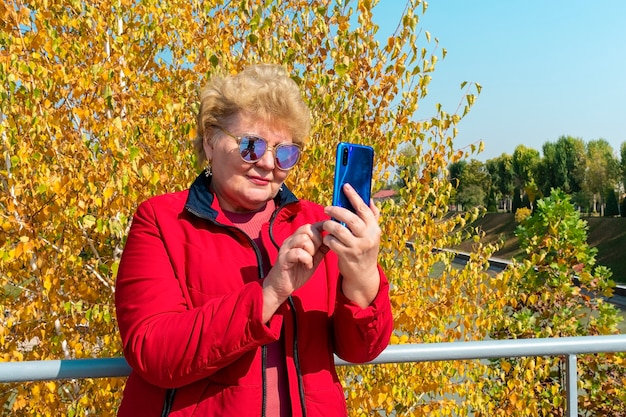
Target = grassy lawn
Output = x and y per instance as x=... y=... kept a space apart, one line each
x=607 y=234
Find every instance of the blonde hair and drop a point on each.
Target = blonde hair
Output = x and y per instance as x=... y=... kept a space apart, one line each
x=263 y=90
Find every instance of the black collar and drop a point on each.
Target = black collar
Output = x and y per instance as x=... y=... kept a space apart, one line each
x=200 y=199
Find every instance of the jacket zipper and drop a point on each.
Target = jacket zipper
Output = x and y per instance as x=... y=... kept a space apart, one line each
x=169 y=401
x=170 y=394
x=296 y=356
x=264 y=378
x=264 y=347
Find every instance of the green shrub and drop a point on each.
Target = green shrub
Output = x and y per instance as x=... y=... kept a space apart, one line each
x=544 y=302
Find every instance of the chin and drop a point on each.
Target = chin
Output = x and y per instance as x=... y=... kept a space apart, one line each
x=255 y=204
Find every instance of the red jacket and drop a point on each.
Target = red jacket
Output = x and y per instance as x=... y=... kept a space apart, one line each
x=189 y=303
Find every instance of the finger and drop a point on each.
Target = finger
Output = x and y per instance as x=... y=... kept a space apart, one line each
x=340 y=214
x=355 y=199
x=337 y=234
x=304 y=242
x=300 y=256
x=317 y=229
x=315 y=235
x=307 y=237
x=375 y=210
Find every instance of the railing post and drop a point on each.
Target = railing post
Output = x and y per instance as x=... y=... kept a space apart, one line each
x=571 y=387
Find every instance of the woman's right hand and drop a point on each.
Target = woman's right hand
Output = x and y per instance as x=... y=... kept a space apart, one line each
x=297 y=260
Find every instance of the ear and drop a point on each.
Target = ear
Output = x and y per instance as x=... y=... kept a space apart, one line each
x=207 y=145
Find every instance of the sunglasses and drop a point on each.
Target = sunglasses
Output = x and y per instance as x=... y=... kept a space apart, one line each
x=252 y=148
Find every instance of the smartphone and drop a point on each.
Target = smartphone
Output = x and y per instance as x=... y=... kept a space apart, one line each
x=353 y=165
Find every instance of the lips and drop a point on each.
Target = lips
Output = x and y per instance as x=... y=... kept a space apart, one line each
x=259 y=180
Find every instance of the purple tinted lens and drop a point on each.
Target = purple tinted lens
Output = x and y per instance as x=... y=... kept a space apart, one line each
x=287 y=156
x=251 y=148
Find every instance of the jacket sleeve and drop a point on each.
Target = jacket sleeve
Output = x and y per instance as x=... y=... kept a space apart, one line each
x=361 y=334
x=165 y=341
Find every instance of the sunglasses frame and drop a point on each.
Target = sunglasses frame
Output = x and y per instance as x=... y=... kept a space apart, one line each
x=274 y=149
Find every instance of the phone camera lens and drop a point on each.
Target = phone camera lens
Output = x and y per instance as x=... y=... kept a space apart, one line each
x=344 y=157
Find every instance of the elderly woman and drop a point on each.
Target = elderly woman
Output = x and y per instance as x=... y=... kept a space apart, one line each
x=232 y=296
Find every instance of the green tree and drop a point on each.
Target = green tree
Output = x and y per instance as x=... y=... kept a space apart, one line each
x=492 y=201
x=602 y=174
x=471 y=195
x=517 y=200
x=500 y=170
x=524 y=164
x=531 y=192
x=544 y=302
x=472 y=182
x=612 y=208
x=456 y=172
x=562 y=166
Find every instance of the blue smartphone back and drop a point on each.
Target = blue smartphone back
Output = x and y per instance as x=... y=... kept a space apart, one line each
x=353 y=165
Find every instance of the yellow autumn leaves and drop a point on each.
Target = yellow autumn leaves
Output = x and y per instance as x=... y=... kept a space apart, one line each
x=98 y=104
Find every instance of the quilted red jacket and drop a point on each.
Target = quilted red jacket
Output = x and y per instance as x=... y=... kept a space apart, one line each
x=188 y=300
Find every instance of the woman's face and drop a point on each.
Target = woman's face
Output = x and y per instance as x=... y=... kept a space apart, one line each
x=242 y=186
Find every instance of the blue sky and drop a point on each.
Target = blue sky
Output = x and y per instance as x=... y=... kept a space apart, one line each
x=548 y=68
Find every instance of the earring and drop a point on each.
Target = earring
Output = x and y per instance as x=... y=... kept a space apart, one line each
x=207 y=171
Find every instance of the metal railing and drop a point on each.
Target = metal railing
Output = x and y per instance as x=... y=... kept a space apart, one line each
x=569 y=347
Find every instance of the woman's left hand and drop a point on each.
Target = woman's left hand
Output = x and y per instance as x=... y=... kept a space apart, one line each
x=356 y=245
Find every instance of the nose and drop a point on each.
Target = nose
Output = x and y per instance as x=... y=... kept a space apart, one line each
x=268 y=160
